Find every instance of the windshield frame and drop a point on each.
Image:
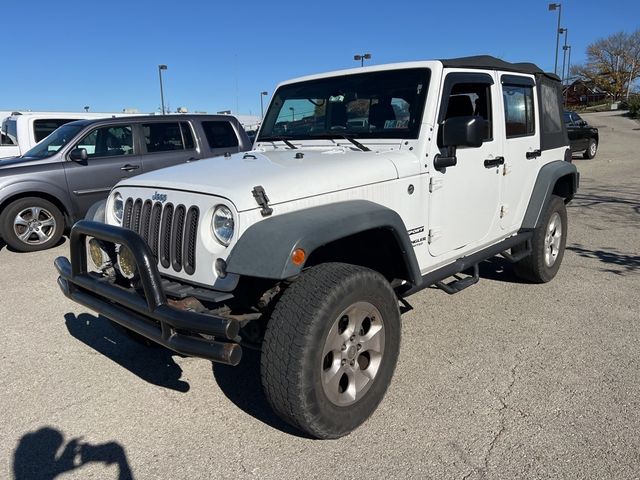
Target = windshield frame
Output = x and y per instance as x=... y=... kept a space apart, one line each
x=367 y=80
x=41 y=149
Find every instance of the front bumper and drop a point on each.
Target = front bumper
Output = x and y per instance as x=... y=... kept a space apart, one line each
x=148 y=315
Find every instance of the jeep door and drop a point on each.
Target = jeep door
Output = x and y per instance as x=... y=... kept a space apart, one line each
x=521 y=146
x=463 y=206
x=111 y=157
x=166 y=143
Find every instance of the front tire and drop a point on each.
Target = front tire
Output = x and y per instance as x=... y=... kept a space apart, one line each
x=31 y=224
x=330 y=349
x=547 y=244
x=591 y=150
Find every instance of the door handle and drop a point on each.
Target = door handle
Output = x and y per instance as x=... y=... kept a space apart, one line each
x=534 y=154
x=494 y=162
x=128 y=167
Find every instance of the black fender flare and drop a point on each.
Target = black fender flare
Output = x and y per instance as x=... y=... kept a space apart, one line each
x=96 y=212
x=548 y=176
x=264 y=249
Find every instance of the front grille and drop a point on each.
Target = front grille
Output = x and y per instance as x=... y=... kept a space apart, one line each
x=170 y=231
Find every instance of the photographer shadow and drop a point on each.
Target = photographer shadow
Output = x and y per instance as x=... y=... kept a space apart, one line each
x=153 y=363
x=36 y=456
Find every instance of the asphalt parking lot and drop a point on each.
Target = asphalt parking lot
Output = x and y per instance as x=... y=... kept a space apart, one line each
x=503 y=380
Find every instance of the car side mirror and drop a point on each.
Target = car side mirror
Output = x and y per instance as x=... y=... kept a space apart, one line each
x=464 y=131
x=582 y=123
x=457 y=132
x=78 y=154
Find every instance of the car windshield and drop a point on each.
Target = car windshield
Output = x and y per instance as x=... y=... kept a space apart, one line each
x=387 y=104
x=54 y=142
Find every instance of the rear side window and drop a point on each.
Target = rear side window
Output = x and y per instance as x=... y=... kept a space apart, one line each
x=220 y=134
x=518 y=110
x=167 y=136
x=45 y=127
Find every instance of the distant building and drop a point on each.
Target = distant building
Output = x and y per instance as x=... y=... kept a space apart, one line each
x=583 y=92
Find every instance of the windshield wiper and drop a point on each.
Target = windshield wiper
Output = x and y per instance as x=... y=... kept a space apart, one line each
x=354 y=141
x=276 y=139
x=332 y=135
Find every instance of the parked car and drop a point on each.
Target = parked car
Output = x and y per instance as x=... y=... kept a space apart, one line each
x=20 y=132
x=54 y=184
x=582 y=136
x=307 y=247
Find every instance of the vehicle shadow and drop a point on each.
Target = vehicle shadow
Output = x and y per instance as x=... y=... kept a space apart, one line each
x=45 y=454
x=630 y=263
x=154 y=364
x=241 y=384
x=499 y=269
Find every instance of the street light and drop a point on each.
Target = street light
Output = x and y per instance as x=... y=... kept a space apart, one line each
x=564 y=53
x=262 y=94
x=552 y=7
x=86 y=108
x=362 y=58
x=293 y=114
x=160 y=69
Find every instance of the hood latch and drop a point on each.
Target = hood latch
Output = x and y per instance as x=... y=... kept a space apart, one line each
x=261 y=199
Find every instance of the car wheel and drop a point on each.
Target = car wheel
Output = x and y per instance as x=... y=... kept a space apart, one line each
x=591 y=150
x=548 y=244
x=31 y=224
x=330 y=349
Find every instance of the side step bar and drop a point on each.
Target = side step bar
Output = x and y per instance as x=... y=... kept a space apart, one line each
x=468 y=262
x=460 y=283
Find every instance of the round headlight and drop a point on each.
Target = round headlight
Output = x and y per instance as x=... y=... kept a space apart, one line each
x=222 y=224
x=97 y=254
x=127 y=263
x=117 y=207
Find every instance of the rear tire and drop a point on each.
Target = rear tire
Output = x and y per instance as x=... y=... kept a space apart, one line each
x=31 y=224
x=330 y=349
x=591 y=150
x=548 y=244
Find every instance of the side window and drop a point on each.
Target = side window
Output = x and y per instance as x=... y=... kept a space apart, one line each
x=108 y=142
x=567 y=118
x=45 y=127
x=518 y=110
x=187 y=136
x=470 y=99
x=220 y=134
x=166 y=136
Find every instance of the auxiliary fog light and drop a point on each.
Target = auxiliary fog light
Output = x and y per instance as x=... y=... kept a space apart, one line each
x=98 y=256
x=127 y=262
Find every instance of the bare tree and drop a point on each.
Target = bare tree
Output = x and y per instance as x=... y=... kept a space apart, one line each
x=613 y=63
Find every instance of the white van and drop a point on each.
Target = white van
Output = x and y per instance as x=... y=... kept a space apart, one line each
x=21 y=131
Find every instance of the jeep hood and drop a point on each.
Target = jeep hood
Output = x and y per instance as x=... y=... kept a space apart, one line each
x=283 y=176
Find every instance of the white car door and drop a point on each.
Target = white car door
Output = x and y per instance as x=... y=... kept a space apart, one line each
x=464 y=199
x=521 y=147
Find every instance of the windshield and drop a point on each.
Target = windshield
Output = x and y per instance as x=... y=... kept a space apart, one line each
x=54 y=142
x=386 y=104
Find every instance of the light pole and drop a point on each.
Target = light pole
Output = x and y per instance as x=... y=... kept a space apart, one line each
x=362 y=58
x=293 y=114
x=262 y=94
x=566 y=88
x=556 y=6
x=564 y=51
x=160 y=69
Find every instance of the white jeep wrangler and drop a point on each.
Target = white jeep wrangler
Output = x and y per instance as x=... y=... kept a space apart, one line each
x=364 y=186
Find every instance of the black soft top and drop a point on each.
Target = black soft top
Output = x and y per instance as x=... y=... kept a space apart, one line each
x=492 y=63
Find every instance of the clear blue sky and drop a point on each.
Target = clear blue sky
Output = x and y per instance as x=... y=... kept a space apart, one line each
x=63 y=54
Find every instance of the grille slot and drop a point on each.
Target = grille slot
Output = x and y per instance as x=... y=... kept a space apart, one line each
x=170 y=231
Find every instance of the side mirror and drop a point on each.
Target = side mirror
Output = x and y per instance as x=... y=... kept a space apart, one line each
x=464 y=131
x=459 y=132
x=78 y=154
